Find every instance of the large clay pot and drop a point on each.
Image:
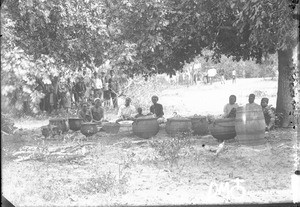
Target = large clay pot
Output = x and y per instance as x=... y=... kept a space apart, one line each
x=110 y=127
x=223 y=129
x=178 y=125
x=88 y=129
x=199 y=125
x=250 y=125
x=145 y=127
x=60 y=123
x=75 y=123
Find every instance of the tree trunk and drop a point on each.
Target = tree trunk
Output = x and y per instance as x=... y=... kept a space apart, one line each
x=284 y=103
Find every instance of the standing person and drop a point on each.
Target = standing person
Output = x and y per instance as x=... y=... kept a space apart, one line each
x=51 y=99
x=80 y=89
x=268 y=114
x=230 y=108
x=98 y=86
x=47 y=98
x=233 y=76
x=88 y=84
x=126 y=112
x=113 y=86
x=74 y=92
x=106 y=91
x=205 y=77
x=67 y=101
x=97 y=111
x=222 y=73
x=157 y=109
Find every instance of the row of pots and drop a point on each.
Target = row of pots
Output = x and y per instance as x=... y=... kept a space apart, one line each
x=142 y=127
x=248 y=125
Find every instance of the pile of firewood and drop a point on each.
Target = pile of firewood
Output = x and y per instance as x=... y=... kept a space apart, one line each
x=53 y=154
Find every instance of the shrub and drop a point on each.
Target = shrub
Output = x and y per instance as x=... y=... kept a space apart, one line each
x=170 y=149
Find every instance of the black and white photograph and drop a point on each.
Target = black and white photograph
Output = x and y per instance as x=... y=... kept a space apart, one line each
x=150 y=102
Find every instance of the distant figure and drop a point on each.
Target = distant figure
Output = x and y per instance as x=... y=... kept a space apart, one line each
x=230 y=108
x=67 y=101
x=97 y=111
x=268 y=114
x=106 y=92
x=98 y=86
x=126 y=112
x=157 y=109
x=88 y=85
x=52 y=99
x=233 y=76
x=113 y=86
x=80 y=89
x=211 y=74
x=85 y=114
x=140 y=113
x=222 y=73
x=205 y=77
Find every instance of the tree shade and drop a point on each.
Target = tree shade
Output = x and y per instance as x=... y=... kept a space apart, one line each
x=156 y=36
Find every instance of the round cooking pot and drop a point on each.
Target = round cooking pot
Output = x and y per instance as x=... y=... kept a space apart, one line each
x=75 y=123
x=88 y=129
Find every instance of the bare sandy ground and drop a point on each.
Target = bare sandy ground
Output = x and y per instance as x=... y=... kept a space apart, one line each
x=199 y=177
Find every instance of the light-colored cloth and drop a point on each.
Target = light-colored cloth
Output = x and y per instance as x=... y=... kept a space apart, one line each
x=98 y=83
x=211 y=72
x=67 y=103
x=126 y=112
x=234 y=72
x=161 y=120
x=253 y=106
x=87 y=81
x=228 y=107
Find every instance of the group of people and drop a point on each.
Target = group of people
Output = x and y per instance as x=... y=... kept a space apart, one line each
x=129 y=112
x=85 y=88
x=269 y=115
x=126 y=112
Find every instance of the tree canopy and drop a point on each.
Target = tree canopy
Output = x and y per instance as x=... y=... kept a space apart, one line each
x=150 y=36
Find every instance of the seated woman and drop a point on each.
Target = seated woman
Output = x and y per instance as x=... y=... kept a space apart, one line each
x=126 y=112
x=85 y=114
x=157 y=109
x=140 y=113
x=268 y=114
x=97 y=111
x=230 y=108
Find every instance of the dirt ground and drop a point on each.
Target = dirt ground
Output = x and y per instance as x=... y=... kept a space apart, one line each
x=124 y=170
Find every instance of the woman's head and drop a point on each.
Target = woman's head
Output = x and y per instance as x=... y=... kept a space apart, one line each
x=232 y=99
x=264 y=102
x=154 y=99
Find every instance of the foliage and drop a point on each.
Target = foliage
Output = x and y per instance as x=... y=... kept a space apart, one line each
x=170 y=149
x=7 y=124
x=178 y=31
x=141 y=91
x=149 y=36
x=246 y=69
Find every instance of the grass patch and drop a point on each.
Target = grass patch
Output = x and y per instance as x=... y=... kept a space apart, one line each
x=171 y=149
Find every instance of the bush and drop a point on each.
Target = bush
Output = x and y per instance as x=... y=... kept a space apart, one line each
x=170 y=149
